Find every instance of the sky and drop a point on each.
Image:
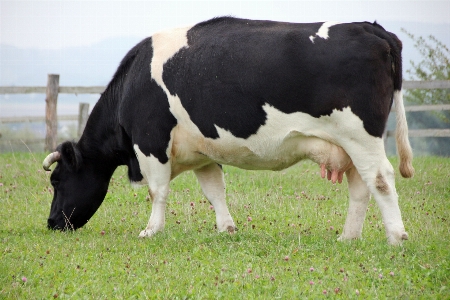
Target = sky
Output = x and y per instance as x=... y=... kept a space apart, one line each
x=61 y=24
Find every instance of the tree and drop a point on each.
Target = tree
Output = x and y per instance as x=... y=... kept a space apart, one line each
x=434 y=66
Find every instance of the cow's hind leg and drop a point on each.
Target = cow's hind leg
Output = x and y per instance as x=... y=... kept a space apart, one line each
x=158 y=177
x=382 y=186
x=211 y=180
x=378 y=174
x=359 y=200
x=369 y=157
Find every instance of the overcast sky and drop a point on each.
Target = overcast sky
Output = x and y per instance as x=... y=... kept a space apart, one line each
x=59 y=24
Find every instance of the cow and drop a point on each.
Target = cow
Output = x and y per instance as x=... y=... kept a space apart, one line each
x=250 y=94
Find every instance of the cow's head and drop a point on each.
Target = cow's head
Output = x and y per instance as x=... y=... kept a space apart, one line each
x=80 y=185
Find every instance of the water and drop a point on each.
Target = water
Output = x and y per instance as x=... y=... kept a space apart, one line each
x=14 y=136
x=21 y=105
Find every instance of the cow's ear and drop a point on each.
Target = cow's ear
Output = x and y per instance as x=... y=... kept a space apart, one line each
x=71 y=155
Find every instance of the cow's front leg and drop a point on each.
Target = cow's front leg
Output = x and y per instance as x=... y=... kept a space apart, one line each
x=157 y=176
x=359 y=200
x=158 y=193
x=213 y=186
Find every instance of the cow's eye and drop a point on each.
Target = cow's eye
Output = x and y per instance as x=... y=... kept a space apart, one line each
x=55 y=183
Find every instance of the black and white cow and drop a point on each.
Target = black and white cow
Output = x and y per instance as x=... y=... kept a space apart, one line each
x=251 y=94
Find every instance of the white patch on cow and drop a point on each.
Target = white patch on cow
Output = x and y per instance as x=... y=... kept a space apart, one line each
x=281 y=142
x=158 y=177
x=323 y=31
x=165 y=45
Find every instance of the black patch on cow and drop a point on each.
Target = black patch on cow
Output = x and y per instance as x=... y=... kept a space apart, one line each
x=233 y=67
x=144 y=109
x=134 y=171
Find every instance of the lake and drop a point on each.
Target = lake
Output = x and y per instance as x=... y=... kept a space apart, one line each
x=21 y=105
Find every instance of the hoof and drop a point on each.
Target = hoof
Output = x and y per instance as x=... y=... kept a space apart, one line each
x=349 y=235
x=146 y=233
x=232 y=229
x=343 y=239
x=226 y=226
x=347 y=239
x=396 y=239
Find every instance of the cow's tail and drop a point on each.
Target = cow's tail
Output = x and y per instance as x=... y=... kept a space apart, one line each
x=401 y=135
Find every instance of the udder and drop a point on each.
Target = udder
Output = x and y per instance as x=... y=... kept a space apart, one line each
x=332 y=159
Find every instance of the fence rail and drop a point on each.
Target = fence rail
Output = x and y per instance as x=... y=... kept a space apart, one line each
x=35 y=119
x=43 y=89
x=423 y=132
x=435 y=107
x=426 y=85
x=408 y=84
x=53 y=89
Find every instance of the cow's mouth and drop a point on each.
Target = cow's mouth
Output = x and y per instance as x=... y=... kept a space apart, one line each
x=51 y=224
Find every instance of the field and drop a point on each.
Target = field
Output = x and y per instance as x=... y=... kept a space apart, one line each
x=285 y=248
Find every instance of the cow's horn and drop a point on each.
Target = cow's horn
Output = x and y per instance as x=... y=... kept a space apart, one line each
x=50 y=159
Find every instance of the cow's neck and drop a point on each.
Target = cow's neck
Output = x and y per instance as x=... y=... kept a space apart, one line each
x=102 y=138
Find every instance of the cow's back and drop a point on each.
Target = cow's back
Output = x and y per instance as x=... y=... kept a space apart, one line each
x=230 y=68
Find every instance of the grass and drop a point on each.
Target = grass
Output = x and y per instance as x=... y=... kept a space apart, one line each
x=285 y=248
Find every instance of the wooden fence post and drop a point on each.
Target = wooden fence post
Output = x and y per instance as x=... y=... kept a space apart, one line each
x=82 y=117
x=51 y=120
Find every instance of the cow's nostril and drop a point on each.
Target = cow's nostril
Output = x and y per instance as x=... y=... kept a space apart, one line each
x=51 y=224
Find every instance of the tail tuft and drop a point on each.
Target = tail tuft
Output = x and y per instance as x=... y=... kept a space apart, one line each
x=401 y=135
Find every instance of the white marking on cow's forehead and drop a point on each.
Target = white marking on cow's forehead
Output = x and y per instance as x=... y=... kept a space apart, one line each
x=323 y=31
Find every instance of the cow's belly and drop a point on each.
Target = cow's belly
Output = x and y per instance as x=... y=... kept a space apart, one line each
x=257 y=153
x=281 y=142
x=271 y=153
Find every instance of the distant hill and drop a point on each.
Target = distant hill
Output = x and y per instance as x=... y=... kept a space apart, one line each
x=77 y=66
x=82 y=66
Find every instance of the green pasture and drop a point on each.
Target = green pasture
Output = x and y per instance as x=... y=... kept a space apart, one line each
x=285 y=248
